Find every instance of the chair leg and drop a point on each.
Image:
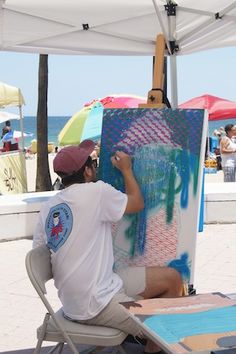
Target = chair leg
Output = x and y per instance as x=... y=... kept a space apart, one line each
x=121 y=349
x=71 y=346
x=67 y=338
x=58 y=348
x=42 y=333
x=115 y=350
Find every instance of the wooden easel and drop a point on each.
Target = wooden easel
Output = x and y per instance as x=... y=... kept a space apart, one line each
x=155 y=96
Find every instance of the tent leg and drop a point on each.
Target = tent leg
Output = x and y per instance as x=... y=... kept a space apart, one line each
x=22 y=128
x=173 y=75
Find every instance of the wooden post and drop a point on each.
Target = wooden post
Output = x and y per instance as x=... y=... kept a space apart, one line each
x=155 y=96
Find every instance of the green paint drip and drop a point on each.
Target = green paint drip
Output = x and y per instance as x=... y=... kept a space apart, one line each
x=131 y=231
x=163 y=173
x=195 y=175
x=170 y=195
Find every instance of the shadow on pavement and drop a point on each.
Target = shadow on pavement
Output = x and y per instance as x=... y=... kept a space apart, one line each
x=130 y=348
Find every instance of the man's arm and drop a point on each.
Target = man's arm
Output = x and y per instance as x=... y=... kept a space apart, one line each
x=225 y=146
x=135 y=203
x=39 y=237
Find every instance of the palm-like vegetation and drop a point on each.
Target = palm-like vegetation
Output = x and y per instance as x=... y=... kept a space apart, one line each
x=43 y=178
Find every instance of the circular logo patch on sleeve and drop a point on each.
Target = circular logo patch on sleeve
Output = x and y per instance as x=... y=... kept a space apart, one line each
x=58 y=225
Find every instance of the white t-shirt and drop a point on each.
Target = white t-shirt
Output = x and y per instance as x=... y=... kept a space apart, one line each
x=228 y=159
x=76 y=225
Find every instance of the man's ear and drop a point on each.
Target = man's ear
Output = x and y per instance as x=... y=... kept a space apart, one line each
x=88 y=174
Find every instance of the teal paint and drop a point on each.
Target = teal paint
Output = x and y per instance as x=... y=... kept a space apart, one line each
x=172 y=328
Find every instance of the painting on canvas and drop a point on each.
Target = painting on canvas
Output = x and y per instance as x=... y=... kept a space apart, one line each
x=191 y=324
x=167 y=149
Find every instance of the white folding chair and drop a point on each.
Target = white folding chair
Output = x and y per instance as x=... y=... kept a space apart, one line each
x=55 y=327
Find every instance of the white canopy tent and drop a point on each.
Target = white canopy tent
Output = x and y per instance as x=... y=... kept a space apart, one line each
x=117 y=27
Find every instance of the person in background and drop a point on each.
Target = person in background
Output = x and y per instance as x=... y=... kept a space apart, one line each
x=6 y=129
x=96 y=153
x=98 y=147
x=228 y=153
x=7 y=145
x=82 y=251
x=218 y=133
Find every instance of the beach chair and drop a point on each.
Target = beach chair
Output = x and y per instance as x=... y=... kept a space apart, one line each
x=55 y=327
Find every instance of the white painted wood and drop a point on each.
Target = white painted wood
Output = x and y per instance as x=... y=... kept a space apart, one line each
x=18 y=213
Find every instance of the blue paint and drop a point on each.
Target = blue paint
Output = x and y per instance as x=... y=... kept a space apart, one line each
x=165 y=145
x=172 y=328
x=184 y=172
x=182 y=266
x=186 y=127
x=194 y=166
x=152 y=168
x=141 y=227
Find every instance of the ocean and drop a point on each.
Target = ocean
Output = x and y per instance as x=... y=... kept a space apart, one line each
x=56 y=123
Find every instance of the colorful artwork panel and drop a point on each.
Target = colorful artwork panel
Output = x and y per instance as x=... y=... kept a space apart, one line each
x=192 y=324
x=166 y=149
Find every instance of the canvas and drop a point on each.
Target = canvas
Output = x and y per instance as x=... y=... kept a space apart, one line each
x=192 y=324
x=167 y=148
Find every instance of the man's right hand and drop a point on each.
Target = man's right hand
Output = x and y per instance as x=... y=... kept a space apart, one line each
x=122 y=161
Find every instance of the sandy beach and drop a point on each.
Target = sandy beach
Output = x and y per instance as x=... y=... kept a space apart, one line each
x=31 y=170
x=31 y=165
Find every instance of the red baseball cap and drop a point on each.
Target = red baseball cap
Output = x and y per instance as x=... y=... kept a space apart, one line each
x=71 y=158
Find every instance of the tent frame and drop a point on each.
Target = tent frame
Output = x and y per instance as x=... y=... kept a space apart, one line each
x=166 y=14
x=173 y=46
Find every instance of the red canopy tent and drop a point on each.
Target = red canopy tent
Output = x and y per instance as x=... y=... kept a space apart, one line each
x=218 y=108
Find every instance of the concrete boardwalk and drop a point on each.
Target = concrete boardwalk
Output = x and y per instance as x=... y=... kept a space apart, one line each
x=22 y=311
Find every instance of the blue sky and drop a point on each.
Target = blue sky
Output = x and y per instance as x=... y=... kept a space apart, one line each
x=75 y=80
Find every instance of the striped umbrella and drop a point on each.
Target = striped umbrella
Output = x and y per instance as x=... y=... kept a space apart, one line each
x=87 y=123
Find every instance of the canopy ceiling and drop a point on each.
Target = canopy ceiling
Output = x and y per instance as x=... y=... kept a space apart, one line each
x=115 y=27
x=10 y=96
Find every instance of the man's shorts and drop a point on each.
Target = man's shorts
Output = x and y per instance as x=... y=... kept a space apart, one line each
x=114 y=315
x=229 y=174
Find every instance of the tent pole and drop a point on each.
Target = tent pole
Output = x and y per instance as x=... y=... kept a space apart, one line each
x=171 y=9
x=22 y=128
x=174 y=86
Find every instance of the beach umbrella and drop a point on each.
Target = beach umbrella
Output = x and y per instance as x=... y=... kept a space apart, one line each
x=14 y=134
x=218 y=108
x=87 y=123
x=4 y=116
